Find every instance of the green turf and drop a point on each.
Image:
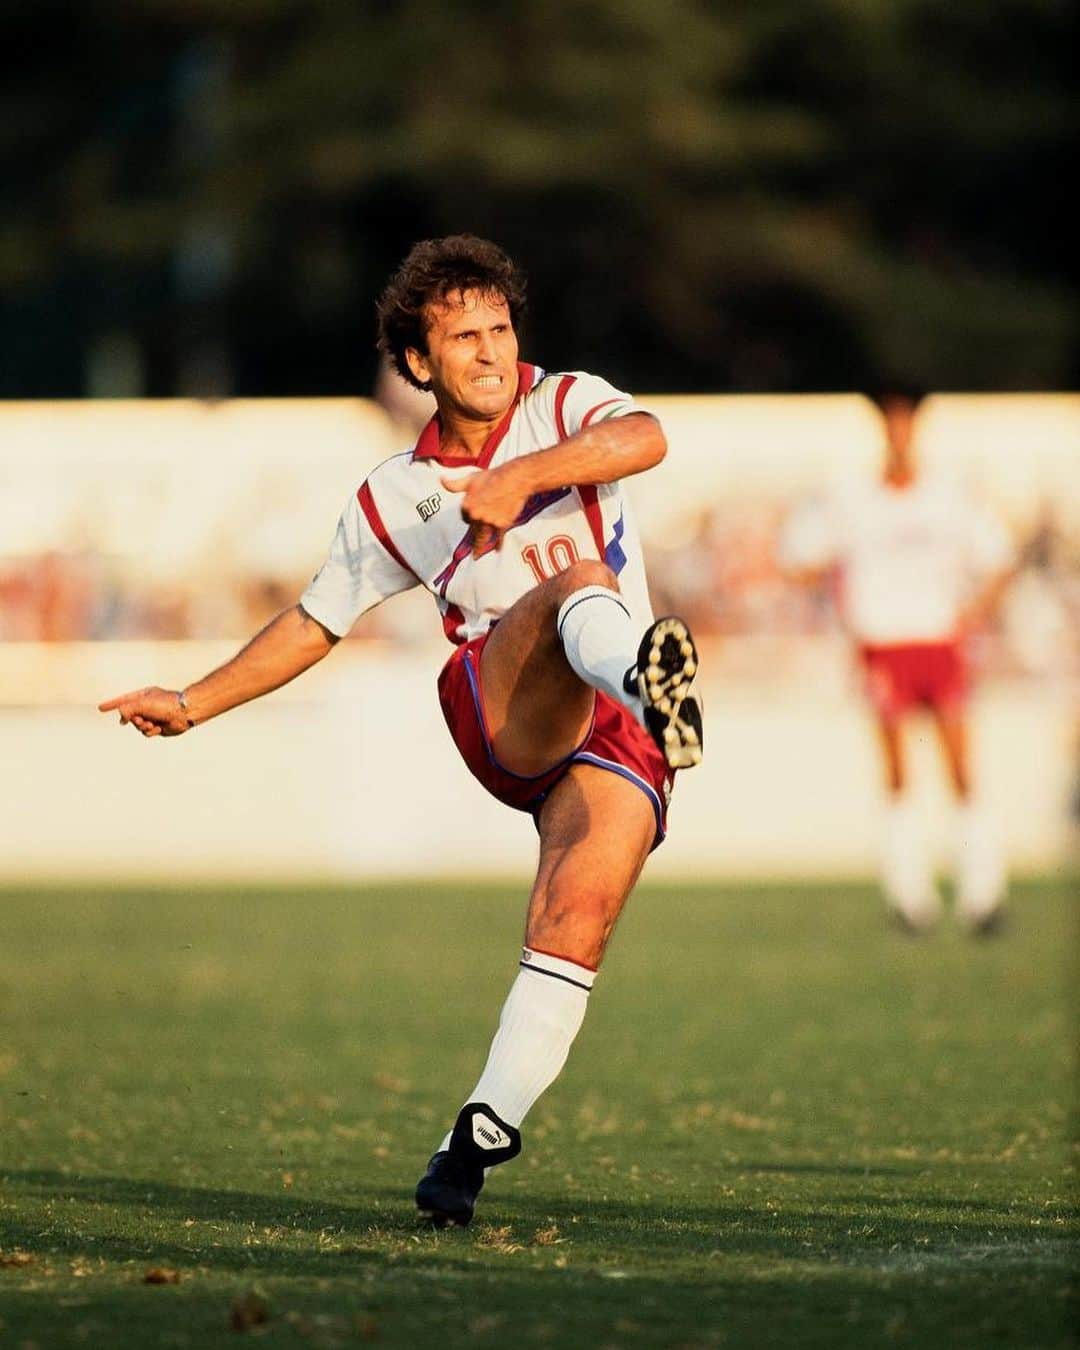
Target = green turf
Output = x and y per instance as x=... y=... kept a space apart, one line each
x=782 y=1125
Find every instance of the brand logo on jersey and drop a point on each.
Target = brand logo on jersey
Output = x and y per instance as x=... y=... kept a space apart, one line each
x=486 y=1134
x=429 y=506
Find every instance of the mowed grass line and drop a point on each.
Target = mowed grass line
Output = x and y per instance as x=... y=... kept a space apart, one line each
x=783 y=1124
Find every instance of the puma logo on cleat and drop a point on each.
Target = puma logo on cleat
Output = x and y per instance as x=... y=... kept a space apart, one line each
x=486 y=1134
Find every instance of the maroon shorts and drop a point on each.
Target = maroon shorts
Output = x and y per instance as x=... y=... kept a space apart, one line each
x=615 y=741
x=904 y=676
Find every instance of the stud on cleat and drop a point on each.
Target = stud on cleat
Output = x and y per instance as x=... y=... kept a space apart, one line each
x=661 y=678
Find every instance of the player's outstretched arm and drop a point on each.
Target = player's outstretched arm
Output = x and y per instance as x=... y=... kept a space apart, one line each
x=288 y=645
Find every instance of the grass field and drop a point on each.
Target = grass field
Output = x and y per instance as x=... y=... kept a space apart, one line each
x=782 y=1125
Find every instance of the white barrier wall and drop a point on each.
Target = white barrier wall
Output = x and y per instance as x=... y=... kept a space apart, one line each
x=251 y=481
x=350 y=773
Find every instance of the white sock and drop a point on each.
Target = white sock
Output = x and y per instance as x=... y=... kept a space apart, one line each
x=600 y=641
x=905 y=865
x=540 y=1018
x=980 y=871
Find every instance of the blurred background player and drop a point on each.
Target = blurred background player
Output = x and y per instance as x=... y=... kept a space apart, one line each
x=919 y=567
x=564 y=697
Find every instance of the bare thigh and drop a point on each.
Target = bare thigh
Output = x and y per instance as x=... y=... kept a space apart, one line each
x=596 y=830
x=538 y=710
x=892 y=746
x=952 y=730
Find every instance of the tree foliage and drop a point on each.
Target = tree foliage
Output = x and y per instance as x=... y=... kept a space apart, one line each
x=777 y=195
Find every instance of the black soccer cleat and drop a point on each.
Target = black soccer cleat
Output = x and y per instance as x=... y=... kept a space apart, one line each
x=991 y=924
x=666 y=665
x=446 y=1193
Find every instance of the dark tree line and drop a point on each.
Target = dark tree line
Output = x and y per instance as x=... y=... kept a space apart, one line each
x=204 y=196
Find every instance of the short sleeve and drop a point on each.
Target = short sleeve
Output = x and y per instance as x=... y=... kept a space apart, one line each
x=808 y=537
x=589 y=400
x=357 y=575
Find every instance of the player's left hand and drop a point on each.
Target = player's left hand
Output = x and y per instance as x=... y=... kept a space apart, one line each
x=153 y=711
x=491 y=501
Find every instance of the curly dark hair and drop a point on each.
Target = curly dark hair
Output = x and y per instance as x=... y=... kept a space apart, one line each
x=434 y=269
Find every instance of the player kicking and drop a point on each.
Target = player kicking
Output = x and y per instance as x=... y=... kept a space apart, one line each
x=921 y=567
x=564 y=696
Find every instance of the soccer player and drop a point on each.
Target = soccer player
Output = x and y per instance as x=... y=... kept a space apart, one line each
x=564 y=696
x=920 y=568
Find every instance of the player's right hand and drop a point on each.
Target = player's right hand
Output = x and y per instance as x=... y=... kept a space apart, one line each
x=153 y=711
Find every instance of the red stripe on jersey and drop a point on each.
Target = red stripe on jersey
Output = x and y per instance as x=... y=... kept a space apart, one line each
x=590 y=500
x=560 y=399
x=382 y=534
x=593 y=411
x=453 y=620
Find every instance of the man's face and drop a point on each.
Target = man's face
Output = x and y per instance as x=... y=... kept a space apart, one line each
x=471 y=356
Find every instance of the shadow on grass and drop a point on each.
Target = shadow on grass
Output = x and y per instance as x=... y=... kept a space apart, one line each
x=827 y=1169
x=309 y=1236
x=773 y=1310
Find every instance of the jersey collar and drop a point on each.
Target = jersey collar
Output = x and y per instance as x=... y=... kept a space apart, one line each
x=427 y=446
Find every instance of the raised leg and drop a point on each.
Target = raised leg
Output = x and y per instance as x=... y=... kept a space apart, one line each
x=538 y=709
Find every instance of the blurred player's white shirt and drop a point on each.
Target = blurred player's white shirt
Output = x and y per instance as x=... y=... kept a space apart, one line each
x=402 y=528
x=907 y=556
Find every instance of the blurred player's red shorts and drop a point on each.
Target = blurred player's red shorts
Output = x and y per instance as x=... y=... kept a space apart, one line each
x=615 y=742
x=901 y=677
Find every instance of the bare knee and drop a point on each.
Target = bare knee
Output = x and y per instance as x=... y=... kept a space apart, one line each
x=584 y=572
x=574 y=923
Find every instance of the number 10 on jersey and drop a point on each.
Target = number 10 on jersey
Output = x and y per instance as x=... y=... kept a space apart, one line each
x=559 y=552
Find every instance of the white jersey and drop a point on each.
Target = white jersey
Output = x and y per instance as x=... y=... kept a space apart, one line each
x=401 y=528
x=907 y=556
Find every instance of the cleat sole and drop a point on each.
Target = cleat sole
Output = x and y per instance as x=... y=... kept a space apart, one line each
x=667 y=663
